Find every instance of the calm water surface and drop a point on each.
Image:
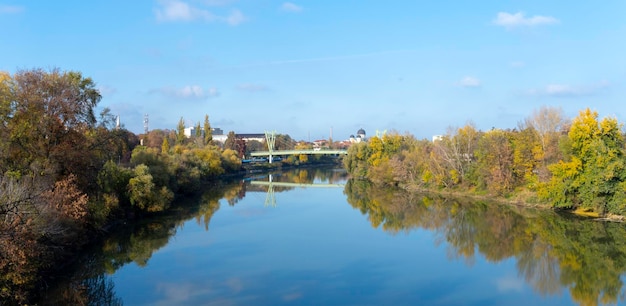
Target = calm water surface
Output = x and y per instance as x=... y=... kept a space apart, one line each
x=345 y=242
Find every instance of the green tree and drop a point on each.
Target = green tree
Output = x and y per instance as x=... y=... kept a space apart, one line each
x=198 y=130
x=356 y=161
x=180 y=131
x=595 y=176
x=144 y=194
x=208 y=133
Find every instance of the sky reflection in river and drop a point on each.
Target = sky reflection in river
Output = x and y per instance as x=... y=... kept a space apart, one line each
x=313 y=248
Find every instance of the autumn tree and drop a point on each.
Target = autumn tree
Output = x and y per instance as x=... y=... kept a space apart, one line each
x=145 y=194
x=231 y=141
x=495 y=158
x=548 y=124
x=527 y=156
x=46 y=121
x=453 y=155
x=595 y=177
x=165 y=147
x=230 y=161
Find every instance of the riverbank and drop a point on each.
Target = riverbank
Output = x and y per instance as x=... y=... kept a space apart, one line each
x=525 y=199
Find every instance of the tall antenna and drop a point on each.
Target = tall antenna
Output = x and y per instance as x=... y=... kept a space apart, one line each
x=145 y=123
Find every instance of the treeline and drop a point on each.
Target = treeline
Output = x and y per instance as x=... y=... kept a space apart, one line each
x=66 y=174
x=547 y=159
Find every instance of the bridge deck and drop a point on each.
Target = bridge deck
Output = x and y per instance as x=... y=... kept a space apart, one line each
x=299 y=152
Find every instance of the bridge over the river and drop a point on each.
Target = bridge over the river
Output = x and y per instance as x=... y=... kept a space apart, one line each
x=297 y=152
x=270 y=138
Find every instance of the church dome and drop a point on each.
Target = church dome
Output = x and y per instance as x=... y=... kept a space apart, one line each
x=361 y=132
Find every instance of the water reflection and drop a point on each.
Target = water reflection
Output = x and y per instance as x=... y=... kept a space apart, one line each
x=270 y=183
x=553 y=252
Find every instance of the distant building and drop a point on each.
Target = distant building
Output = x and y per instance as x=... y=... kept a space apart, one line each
x=360 y=136
x=437 y=138
x=260 y=137
x=191 y=131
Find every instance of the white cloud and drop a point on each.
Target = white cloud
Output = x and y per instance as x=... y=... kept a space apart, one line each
x=569 y=91
x=11 y=9
x=190 y=92
x=249 y=87
x=217 y=2
x=176 y=10
x=291 y=7
x=518 y=19
x=173 y=10
x=235 y=18
x=469 y=81
x=517 y=64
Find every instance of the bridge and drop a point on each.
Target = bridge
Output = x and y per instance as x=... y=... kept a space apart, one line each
x=298 y=152
x=270 y=139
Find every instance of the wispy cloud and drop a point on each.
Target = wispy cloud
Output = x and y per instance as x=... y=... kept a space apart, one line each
x=519 y=19
x=191 y=92
x=470 y=81
x=249 y=87
x=325 y=59
x=235 y=18
x=517 y=64
x=569 y=91
x=291 y=7
x=180 y=11
x=11 y=9
x=217 y=2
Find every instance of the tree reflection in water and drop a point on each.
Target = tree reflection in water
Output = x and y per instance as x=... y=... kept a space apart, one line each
x=87 y=283
x=553 y=252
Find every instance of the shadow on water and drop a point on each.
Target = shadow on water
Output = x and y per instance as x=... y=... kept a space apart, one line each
x=553 y=253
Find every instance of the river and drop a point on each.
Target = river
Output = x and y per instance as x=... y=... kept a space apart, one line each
x=313 y=237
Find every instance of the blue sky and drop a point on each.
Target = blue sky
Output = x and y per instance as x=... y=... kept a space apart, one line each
x=305 y=67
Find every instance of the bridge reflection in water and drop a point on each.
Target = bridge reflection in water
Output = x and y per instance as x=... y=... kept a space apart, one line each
x=270 y=199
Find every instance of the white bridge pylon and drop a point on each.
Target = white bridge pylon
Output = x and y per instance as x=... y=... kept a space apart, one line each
x=270 y=139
